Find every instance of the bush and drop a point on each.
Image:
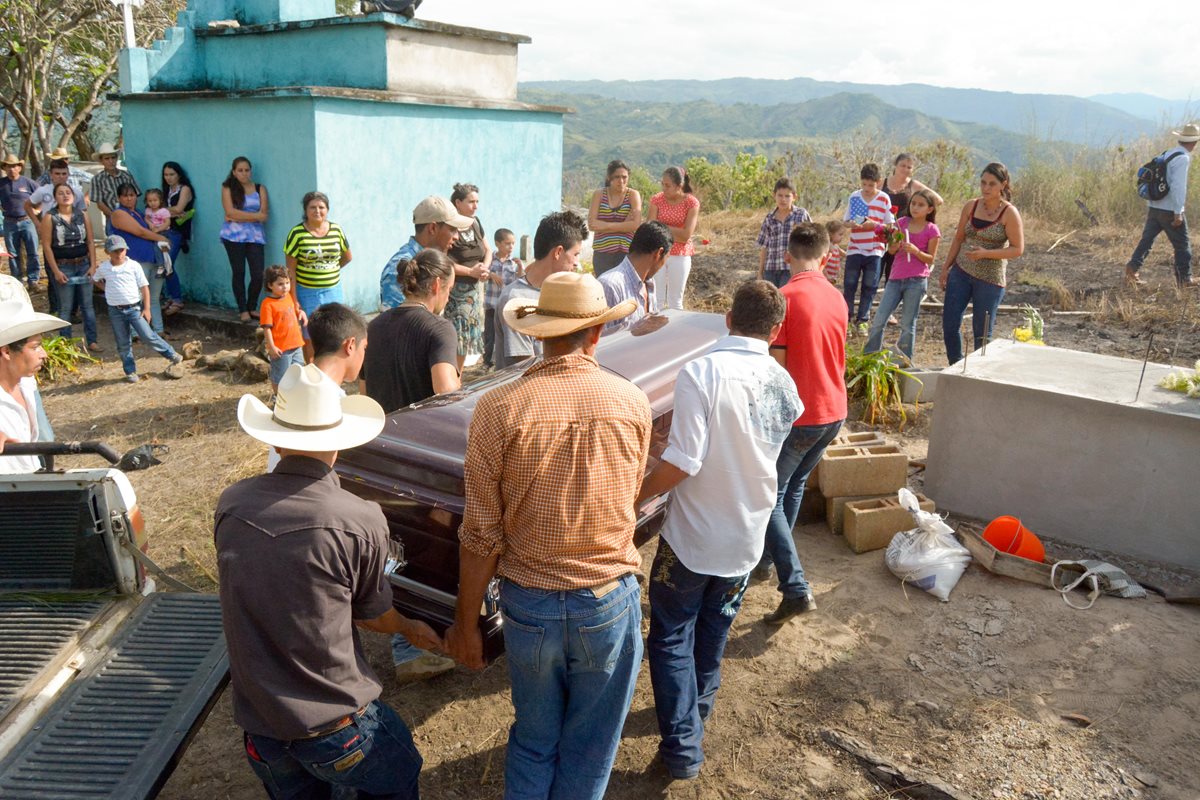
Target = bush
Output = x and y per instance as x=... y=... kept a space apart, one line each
x=63 y=355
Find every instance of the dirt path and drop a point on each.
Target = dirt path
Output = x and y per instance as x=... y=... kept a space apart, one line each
x=974 y=690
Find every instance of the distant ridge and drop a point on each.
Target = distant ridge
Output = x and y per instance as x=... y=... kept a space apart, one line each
x=1155 y=109
x=1043 y=116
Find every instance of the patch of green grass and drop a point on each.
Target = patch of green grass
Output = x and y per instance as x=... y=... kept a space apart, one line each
x=63 y=355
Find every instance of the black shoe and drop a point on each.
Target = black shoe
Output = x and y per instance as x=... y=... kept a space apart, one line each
x=791 y=607
x=762 y=573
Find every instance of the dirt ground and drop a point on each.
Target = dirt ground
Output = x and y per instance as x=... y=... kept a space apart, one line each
x=1002 y=692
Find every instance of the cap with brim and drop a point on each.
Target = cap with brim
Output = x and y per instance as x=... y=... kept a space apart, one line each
x=114 y=243
x=1189 y=133
x=18 y=321
x=11 y=160
x=311 y=414
x=568 y=302
x=439 y=209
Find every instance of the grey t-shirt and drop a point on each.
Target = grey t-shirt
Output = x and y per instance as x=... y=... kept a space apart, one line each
x=511 y=346
x=300 y=559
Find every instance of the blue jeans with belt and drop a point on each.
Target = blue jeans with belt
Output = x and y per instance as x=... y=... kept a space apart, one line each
x=21 y=235
x=374 y=756
x=690 y=617
x=984 y=298
x=801 y=452
x=573 y=660
x=76 y=293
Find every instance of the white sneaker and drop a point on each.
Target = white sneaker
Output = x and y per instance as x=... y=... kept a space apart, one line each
x=427 y=665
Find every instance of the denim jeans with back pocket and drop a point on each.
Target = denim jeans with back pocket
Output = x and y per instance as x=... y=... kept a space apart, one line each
x=573 y=660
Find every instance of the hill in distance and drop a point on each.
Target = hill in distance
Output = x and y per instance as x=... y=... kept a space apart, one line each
x=1041 y=116
x=660 y=133
x=1149 y=107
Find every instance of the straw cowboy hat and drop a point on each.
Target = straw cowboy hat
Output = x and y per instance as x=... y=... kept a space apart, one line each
x=57 y=153
x=18 y=321
x=311 y=414
x=106 y=149
x=569 y=302
x=11 y=160
x=1188 y=133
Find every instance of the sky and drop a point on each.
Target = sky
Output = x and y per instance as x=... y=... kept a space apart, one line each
x=1048 y=46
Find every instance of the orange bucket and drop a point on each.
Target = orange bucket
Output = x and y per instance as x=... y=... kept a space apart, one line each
x=1008 y=535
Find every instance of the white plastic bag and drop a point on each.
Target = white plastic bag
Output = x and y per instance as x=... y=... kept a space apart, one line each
x=928 y=556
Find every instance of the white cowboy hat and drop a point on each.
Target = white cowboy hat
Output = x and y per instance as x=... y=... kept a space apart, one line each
x=311 y=414
x=569 y=302
x=1188 y=133
x=18 y=321
x=12 y=289
x=106 y=149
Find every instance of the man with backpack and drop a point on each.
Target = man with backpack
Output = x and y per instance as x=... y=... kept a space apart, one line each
x=1163 y=182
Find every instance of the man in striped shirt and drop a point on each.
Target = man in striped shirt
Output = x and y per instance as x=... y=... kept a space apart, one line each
x=553 y=466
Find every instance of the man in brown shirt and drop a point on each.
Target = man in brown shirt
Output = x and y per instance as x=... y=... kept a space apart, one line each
x=301 y=565
x=554 y=462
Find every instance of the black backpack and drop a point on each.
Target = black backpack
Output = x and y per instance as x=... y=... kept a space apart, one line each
x=1152 y=181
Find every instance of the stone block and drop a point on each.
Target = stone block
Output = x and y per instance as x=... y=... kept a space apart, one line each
x=871 y=524
x=846 y=439
x=835 y=509
x=852 y=471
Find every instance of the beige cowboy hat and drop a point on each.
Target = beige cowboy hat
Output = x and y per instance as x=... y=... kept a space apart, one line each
x=57 y=153
x=1188 y=133
x=311 y=414
x=439 y=209
x=18 y=321
x=569 y=302
x=11 y=160
x=106 y=149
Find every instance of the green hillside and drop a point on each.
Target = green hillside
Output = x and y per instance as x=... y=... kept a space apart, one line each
x=1044 y=116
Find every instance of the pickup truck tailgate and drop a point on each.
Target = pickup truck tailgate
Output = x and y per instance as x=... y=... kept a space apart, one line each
x=119 y=728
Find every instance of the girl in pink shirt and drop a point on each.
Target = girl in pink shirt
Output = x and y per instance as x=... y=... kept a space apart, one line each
x=910 y=273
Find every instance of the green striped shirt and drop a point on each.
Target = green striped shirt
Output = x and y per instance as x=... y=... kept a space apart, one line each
x=318 y=258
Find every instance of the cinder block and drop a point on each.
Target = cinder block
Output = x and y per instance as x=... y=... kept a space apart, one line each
x=871 y=524
x=856 y=471
x=846 y=439
x=835 y=509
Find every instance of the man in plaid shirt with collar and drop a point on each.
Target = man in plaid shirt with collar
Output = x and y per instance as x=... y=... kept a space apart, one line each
x=553 y=466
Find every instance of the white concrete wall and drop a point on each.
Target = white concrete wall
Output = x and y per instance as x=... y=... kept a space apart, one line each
x=456 y=67
x=1054 y=438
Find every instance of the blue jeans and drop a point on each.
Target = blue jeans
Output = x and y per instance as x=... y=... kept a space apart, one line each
x=801 y=452
x=172 y=287
x=21 y=235
x=690 y=616
x=867 y=268
x=76 y=293
x=279 y=366
x=985 y=297
x=156 y=286
x=403 y=652
x=128 y=321
x=311 y=299
x=779 y=277
x=906 y=291
x=1159 y=221
x=573 y=661
x=373 y=756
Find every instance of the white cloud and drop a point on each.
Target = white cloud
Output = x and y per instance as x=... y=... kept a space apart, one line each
x=1052 y=46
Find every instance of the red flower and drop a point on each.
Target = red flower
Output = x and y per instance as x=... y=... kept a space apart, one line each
x=704 y=241
x=895 y=209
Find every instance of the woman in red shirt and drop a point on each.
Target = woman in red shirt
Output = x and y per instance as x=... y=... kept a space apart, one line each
x=677 y=208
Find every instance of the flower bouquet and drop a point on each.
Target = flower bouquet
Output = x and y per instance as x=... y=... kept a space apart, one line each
x=1032 y=330
x=1181 y=380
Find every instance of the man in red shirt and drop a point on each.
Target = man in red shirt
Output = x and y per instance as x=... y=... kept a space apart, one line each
x=812 y=348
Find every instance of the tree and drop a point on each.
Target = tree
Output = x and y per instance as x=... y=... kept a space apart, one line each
x=59 y=59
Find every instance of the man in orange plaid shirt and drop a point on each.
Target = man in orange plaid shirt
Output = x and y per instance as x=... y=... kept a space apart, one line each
x=553 y=466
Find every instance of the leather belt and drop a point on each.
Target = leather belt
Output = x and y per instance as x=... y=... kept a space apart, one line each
x=337 y=725
x=131 y=305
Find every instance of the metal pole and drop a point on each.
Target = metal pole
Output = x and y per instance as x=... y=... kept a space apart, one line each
x=987 y=317
x=1149 y=345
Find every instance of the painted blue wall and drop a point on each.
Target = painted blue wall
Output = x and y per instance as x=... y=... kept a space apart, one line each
x=340 y=55
x=376 y=161
x=205 y=135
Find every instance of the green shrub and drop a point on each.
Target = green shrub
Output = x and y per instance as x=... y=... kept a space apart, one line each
x=63 y=355
x=875 y=379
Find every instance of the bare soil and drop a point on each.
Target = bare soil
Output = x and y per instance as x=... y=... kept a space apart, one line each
x=1002 y=692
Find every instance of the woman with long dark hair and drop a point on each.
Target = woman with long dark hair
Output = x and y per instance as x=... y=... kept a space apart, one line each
x=246 y=209
x=990 y=233
x=615 y=214
x=472 y=256
x=677 y=208
x=899 y=186
x=66 y=234
x=180 y=199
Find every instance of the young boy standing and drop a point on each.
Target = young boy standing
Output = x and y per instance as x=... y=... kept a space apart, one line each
x=773 y=236
x=127 y=293
x=504 y=270
x=281 y=317
x=868 y=210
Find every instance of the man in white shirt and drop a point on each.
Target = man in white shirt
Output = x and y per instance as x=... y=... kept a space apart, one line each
x=734 y=407
x=1167 y=214
x=21 y=356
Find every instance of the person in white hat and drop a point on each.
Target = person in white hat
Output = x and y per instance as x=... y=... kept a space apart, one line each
x=437 y=224
x=302 y=565
x=112 y=177
x=1167 y=214
x=553 y=465
x=79 y=180
x=21 y=356
x=20 y=232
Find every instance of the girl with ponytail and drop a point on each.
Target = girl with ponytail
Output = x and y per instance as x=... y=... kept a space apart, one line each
x=677 y=208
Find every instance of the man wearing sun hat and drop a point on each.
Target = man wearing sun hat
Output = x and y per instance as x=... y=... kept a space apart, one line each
x=79 y=180
x=437 y=224
x=553 y=465
x=20 y=232
x=1167 y=215
x=302 y=566
x=21 y=356
x=108 y=180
